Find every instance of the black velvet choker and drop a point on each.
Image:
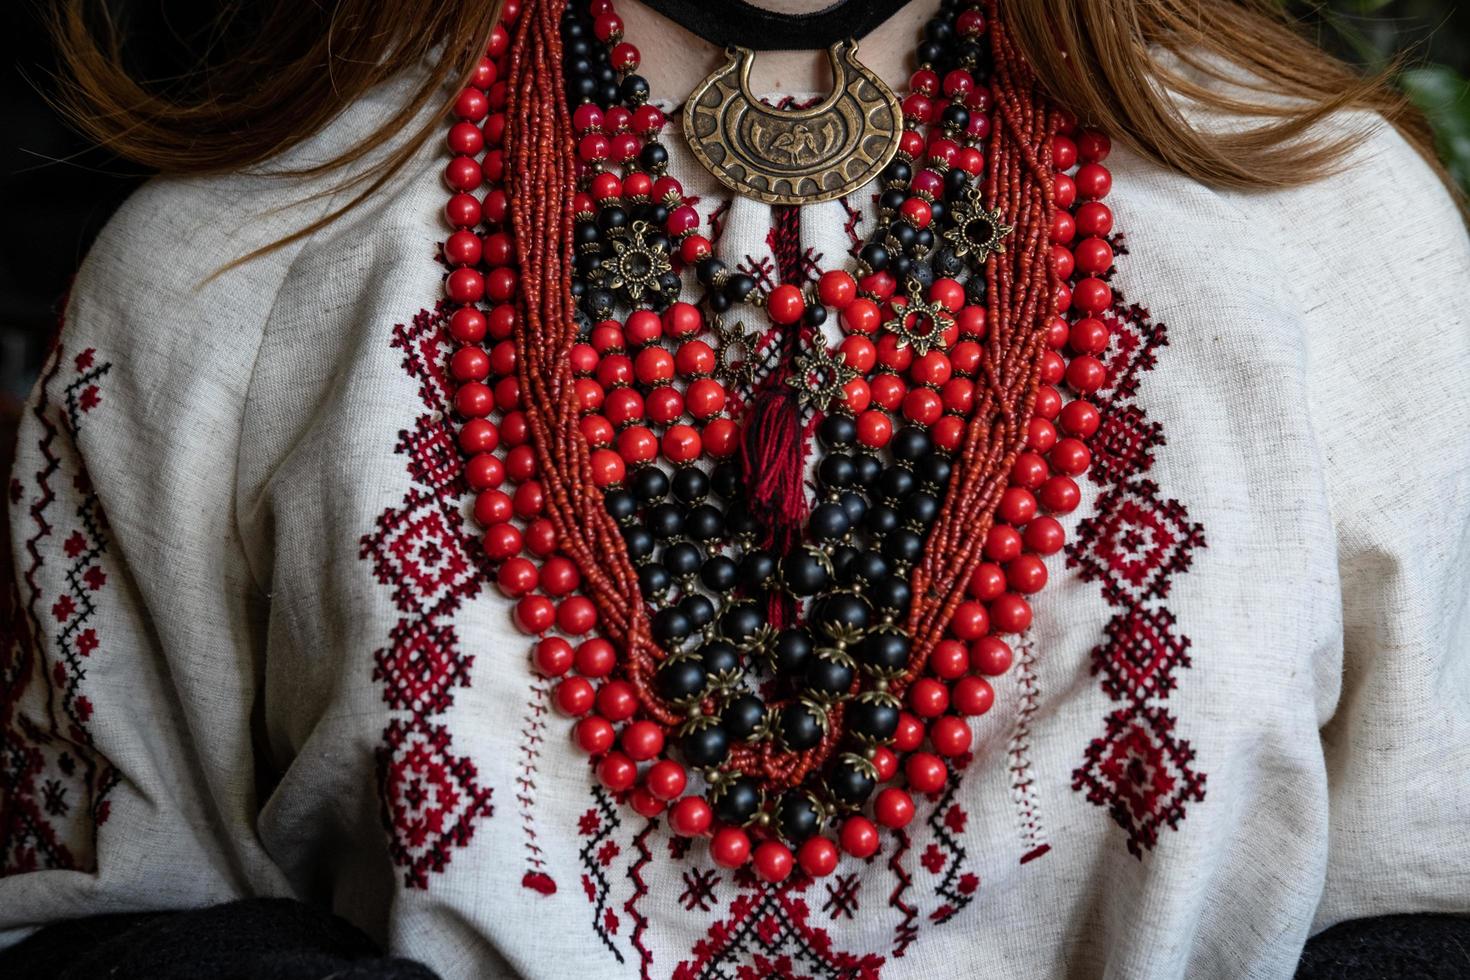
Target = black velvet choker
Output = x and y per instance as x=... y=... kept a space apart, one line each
x=735 y=22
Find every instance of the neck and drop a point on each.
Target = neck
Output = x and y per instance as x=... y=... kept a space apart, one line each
x=684 y=59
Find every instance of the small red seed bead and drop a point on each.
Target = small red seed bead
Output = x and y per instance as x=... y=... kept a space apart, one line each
x=553 y=656
x=730 y=847
x=859 y=837
x=617 y=772
x=772 y=861
x=575 y=696
x=691 y=816
x=893 y=808
x=617 y=701
x=925 y=772
x=817 y=856
x=950 y=736
x=666 y=779
x=594 y=734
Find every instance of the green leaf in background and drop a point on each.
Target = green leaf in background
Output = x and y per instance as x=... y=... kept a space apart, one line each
x=1443 y=95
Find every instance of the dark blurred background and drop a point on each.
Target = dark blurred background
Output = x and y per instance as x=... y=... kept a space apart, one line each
x=56 y=192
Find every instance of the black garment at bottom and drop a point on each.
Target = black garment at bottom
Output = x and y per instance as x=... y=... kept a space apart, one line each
x=254 y=939
x=1390 y=947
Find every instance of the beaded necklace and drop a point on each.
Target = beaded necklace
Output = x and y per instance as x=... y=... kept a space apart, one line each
x=799 y=661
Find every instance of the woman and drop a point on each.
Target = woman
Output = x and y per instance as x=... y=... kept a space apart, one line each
x=724 y=537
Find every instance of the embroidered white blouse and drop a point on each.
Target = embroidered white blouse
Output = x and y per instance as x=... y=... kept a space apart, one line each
x=255 y=651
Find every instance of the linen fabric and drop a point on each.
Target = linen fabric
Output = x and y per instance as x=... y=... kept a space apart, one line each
x=256 y=653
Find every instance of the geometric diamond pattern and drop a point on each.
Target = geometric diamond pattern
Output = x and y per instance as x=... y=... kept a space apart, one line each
x=1133 y=545
x=421 y=666
x=1141 y=772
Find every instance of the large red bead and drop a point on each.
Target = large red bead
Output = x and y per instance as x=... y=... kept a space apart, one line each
x=973 y=696
x=535 y=614
x=553 y=656
x=894 y=808
x=950 y=736
x=817 y=857
x=574 y=696
x=928 y=698
x=926 y=772
x=859 y=837
x=1045 y=536
x=691 y=816
x=1010 y=613
x=665 y=779
x=642 y=740
x=785 y=304
x=594 y=734
x=991 y=655
x=617 y=772
x=617 y=701
x=772 y=861
x=730 y=847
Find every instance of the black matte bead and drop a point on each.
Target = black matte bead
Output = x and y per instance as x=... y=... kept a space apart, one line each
x=699 y=609
x=690 y=484
x=792 y=650
x=921 y=507
x=868 y=468
x=719 y=574
x=739 y=286
x=650 y=483
x=903 y=546
x=873 y=719
x=837 y=430
x=909 y=443
x=610 y=219
x=934 y=469
x=666 y=520
x=842 y=557
x=738 y=802
x=849 y=784
x=705 y=747
x=725 y=480
x=743 y=715
x=705 y=523
x=719 y=657
x=739 y=520
x=869 y=566
x=803 y=574
x=890 y=593
x=895 y=484
x=639 y=542
x=634 y=89
x=814 y=316
x=800 y=727
x=876 y=256
x=882 y=519
x=885 y=649
x=828 y=677
x=653 y=157
x=671 y=625
x=898 y=172
x=680 y=680
x=740 y=621
x=653 y=579
x=682 y=558
x=756 y=569
x=840 y=609
x=621 y=504
x=836 y=470
x=797 y=816
x=828 y=520
x=854 y=506
x=708 y=270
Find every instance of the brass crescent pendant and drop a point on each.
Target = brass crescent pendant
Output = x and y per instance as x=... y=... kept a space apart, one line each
x=796 y=156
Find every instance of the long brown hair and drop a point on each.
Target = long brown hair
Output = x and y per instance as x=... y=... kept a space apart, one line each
x=307 y=61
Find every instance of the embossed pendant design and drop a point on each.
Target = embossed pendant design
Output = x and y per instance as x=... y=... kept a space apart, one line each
x=797 y=156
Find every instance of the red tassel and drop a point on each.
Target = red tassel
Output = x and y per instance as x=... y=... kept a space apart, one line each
x=774 y=455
